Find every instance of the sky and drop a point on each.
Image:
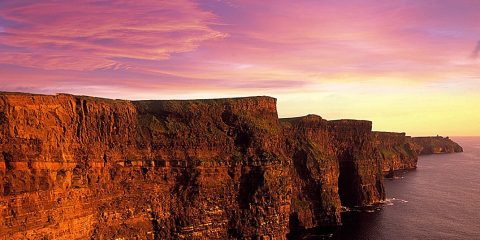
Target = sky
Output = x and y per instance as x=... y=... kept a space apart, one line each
x=408 y=65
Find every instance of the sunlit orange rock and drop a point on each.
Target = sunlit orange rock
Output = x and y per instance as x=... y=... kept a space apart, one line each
x=81 y=167
x=76 y=167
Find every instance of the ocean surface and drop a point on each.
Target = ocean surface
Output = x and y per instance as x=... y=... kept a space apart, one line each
x=439 y=200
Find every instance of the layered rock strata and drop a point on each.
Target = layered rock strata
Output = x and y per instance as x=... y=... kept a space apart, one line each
x=78 y=167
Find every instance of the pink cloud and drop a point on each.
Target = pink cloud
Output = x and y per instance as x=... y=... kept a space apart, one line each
x=182 y=45
x=96 y=34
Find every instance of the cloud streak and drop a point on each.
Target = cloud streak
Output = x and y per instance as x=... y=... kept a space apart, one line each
x=98 y=34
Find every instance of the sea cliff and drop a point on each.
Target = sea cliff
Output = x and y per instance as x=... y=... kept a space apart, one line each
x=396 y=151
x=438 y=144
x=82 y=167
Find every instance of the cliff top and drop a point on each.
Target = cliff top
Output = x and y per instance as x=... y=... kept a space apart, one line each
x=398 y=134
x=431 y=137
x=266 y=98
x=306 y=118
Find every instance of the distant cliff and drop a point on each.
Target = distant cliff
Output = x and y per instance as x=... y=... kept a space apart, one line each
x=333 y=165
x=400 y=152
x=396 y=150
x=76 y=167
x=438 y=144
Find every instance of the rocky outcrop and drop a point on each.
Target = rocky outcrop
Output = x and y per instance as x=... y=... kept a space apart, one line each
x=438 y=144
x=396 y=151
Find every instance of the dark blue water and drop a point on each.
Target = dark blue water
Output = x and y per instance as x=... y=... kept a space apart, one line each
x=439 y=200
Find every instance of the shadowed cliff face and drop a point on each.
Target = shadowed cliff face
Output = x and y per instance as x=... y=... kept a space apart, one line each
x=79 y=167
x=438 y=144
x=396 y=150
x=334 y=164
x=315 y=199
x=360 y=181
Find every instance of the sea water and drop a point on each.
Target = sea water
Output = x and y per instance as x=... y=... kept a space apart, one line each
x=439 y=200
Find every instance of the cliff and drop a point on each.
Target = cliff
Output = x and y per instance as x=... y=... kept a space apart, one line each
x=314 y=173
x=438 y=144
x=80 y=167
x=360 y=181
x=83 y=167
x=396 y=151
x=333 y=165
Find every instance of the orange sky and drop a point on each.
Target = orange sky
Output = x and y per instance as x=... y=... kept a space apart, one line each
x=406 y=65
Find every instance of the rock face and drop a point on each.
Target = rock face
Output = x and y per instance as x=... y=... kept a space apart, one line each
x=333 y=165
x=360 y=181
x=396 y=150
x=438 y=144
x=80 y=167
x=315 y=171
x=75 y=167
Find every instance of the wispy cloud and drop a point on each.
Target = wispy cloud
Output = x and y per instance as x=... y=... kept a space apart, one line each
x=97 y=34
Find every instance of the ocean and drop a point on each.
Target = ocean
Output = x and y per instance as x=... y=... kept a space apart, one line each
x=439 y=200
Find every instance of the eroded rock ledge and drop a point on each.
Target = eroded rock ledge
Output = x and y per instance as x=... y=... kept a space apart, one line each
x=80 y=167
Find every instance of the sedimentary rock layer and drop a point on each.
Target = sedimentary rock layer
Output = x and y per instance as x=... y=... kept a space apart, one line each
x=438 y=144
x=78 y=167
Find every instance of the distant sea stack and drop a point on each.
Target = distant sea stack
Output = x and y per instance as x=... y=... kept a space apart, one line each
x=76 y=167
x=438 y=144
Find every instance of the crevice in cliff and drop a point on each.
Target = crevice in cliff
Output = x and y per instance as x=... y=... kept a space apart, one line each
x=250 y=181
x=104 y=159
x=78 y=108
x=3 y=118
x=346 y=184
x=187 y=184
x=7 y=188
x=240 y=132
x=8 y=159
x=295 y=226
x=155 y=225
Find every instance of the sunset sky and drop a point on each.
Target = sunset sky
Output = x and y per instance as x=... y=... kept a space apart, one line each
x=408 y=65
